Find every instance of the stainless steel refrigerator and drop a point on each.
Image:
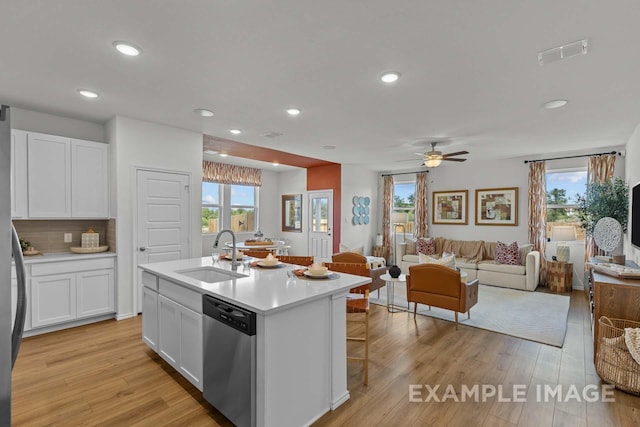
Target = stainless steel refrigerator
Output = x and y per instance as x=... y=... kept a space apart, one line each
x=10 y=330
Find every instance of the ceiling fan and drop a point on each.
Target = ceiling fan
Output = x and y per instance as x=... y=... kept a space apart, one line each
x=434 y=157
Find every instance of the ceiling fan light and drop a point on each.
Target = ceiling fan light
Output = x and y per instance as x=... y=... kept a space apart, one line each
x=432 y=162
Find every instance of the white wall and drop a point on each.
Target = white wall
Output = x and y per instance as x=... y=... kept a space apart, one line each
x=359 y=181
x=56 y=125
x=474 y=175
x=632 y=175
x=137 y=143
x=268 y=212
x=295 y=182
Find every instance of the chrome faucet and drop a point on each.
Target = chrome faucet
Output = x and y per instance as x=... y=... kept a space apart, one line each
x=234 y=261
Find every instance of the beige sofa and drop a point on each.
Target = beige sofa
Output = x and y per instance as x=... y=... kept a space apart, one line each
x=476 y=258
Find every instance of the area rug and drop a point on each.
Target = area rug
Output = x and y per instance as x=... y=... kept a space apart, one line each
x=534 y=316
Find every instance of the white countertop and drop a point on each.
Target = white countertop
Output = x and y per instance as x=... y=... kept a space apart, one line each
x=263 y=290
x=64 y=256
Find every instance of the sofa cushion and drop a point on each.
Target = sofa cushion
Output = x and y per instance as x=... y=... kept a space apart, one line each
x=411 y=246
x=471 y=249
x=411 y=258
x=425 y=246
x=524 y=250
x=446 y=261
x=507 y=254
x=501 y=268
x=466 y=263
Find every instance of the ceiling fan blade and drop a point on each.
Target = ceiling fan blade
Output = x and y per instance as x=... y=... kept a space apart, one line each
x=454 y=160
x=457 y=153
x=420 y=154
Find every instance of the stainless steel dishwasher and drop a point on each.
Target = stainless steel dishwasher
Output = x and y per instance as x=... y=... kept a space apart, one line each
x=229 y=362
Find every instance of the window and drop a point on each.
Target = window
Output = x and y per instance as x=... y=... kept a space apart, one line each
x=210 y=207
x=562 y=188
x=404 y=196
x=229 y=206
x=243 y=208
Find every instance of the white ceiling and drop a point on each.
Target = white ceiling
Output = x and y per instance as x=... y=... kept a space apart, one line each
x=469 y=71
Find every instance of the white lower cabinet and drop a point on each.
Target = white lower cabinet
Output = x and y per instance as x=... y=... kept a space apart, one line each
x=94 y=293
x=150 y=317
x=173 y=326
x=54 y=299
x=71 y=290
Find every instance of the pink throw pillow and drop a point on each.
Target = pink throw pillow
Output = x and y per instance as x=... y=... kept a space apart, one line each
x=426 y=246
x=509 y=255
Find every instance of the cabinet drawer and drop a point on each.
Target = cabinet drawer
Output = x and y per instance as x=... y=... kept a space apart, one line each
x=71 y=266
x=181 y=295
x=150 y=281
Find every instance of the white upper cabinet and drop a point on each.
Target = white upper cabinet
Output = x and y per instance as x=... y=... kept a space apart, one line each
x=19 y=174
x=49 y=172
x=64 y=178
x=89 y=179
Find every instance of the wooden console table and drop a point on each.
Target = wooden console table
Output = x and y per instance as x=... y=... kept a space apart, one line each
x=613 y=297
x=560 y=276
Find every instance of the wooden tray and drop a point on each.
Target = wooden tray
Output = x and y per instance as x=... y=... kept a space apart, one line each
x=616 y=270
x=81 y=250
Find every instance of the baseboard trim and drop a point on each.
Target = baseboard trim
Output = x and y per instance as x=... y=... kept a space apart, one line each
x=61 y=326
x=125 y=316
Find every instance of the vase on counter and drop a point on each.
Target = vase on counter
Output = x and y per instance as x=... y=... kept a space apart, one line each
x=394 y=271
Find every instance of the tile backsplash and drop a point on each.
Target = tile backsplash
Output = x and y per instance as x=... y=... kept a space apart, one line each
x=48 y=235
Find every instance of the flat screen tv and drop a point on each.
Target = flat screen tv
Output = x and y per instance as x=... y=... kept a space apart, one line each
x=635 y=216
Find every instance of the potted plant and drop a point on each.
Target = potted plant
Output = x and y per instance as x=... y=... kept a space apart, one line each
x=607 y=199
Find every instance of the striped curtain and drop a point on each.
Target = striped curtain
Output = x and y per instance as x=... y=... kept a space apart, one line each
x=387 y=207
x=420 y=226
x=230 y=174
x=538 y=213
x=600 y=170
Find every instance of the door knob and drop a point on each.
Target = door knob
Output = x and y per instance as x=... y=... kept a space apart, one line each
x=142 y=249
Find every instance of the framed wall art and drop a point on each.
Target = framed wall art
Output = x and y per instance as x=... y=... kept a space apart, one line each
x=292 y=212
x=449 y=207
x=497 y=206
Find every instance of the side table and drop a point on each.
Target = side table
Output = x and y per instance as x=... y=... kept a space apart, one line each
x=390 y=283
x=560 y=276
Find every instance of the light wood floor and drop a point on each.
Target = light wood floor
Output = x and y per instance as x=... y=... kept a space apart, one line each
x=103 y=374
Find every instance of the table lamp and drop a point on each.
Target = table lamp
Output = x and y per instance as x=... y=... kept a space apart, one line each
x=563 y=234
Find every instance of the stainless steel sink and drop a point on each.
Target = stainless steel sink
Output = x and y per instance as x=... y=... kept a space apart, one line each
x=210 y=274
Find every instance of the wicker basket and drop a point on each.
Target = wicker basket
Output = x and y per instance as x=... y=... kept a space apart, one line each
x=614 y=363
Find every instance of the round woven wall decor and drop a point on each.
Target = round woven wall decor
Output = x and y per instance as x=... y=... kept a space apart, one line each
x=607 y=234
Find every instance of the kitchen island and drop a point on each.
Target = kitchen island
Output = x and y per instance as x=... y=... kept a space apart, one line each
x=300 y=331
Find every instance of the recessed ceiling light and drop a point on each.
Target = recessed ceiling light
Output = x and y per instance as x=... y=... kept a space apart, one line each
x=88 y=93
x=127 y=48
x=390 y=77
x=329 y=147
x=211 y=151
x=235 y=131
x=203 y=112
x=293 y=111
x=223 y=154
x=556 y=103
x=275 y=164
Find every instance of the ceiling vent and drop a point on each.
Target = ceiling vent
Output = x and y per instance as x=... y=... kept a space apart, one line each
x=563 y=52
x=271 y=134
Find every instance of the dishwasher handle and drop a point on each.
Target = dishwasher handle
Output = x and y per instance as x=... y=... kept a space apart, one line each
x=231 y=315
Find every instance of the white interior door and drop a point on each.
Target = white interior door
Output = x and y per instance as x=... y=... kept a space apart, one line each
x=163 y=224
x=321 y=224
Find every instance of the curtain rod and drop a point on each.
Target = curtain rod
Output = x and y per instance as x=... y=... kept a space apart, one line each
x=403 y=173
x=572 y=157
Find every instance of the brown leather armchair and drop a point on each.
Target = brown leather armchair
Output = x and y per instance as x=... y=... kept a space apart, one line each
x=440 y=286
x=355 y=258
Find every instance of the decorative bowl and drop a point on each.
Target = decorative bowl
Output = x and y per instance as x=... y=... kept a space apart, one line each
x=270 y=261
x=317 y=270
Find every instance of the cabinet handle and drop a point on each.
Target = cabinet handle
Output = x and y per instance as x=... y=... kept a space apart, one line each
x=142 y=249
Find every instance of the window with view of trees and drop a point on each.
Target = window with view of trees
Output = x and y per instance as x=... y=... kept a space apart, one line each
x=229 y=205
x=404 y=198
x=563 y=186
